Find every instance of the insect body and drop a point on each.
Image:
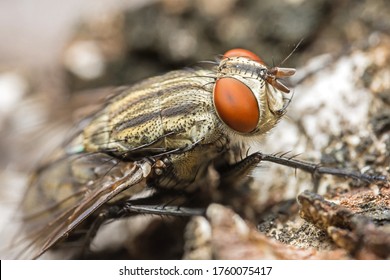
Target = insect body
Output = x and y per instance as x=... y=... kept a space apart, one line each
x=161 y=134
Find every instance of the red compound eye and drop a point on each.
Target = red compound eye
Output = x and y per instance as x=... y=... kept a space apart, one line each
x=236 y=105
x=243 y=53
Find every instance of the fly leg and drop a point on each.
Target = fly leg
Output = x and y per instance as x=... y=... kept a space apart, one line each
x=154 y=205
x=317 y=170
x=234 y=174
x=105 y=215
x=241 y=168
x=132 y=207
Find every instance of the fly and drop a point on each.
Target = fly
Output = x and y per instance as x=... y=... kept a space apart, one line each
x=160 y=135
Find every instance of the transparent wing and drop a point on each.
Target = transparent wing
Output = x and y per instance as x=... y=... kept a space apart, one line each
x=66 y=192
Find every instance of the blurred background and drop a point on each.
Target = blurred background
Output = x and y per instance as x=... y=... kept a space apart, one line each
x=57 y=57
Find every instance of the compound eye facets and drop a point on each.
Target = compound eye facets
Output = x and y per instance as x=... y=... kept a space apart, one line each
x=236 y=105
x=243 y=53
